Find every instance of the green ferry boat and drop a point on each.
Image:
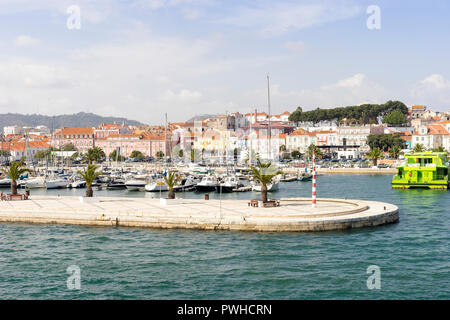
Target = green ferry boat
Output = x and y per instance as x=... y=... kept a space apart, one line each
x=423 y=170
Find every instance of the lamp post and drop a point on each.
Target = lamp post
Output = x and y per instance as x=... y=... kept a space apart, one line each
x=314 y=180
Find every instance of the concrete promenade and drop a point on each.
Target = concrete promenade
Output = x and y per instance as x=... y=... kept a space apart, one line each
x=292 y=215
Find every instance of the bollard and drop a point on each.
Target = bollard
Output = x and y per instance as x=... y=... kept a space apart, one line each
x=207 y=196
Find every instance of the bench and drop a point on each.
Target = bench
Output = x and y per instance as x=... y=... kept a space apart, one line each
x=269 y=204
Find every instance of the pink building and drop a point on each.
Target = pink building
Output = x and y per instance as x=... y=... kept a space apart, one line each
x=82 y=138
x=148 y=144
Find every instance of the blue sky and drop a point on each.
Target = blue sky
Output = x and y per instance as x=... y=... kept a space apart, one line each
x=142 y=58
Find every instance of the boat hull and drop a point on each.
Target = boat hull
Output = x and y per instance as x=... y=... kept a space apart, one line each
x=406 y=185
x=226 y=189
x=204 y=188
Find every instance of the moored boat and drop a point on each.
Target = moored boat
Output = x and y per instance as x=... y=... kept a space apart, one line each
x=208 y=183
x=423 y=170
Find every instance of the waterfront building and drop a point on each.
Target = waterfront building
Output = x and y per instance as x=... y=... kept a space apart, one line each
x=300 y=140
x=149 y=144
x=18 y=149
x=82 y=138
x=106 y=129
x=430 y=136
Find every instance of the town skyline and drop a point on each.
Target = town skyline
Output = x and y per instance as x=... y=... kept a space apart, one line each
x=141 y=59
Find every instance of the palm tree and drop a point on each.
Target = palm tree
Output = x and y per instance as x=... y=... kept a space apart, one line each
x=316 y=150
x=419 y=148
x=375 y=154
x=439 y=149
x=14 y=171
x=95 y=154
x=89 y=174
x=394 y=152
x=264 y=172
x=171 y=178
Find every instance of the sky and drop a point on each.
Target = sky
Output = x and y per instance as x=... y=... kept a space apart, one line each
x=140 y=59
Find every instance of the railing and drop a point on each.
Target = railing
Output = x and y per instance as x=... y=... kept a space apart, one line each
x=406 y=177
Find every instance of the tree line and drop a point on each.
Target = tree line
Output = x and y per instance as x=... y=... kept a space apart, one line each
x=392 y=112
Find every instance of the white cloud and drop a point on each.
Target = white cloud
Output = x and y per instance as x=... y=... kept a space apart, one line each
x=434 y=90
x=354 y=90
x=26 y=41
x=296 y=46
x=275 y=18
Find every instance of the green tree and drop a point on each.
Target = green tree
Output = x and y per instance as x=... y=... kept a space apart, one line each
x=95 y=154
x=385 y=141
x=114 y=156
x=171 y=179
x=14 y=171
x=42 y=154
x=396 y=117
x=296 y=154
x=317 y=151
x=419 y=148
x=69 y=147
x=195 y=155
x=137 y=154
x=375 y=154
x=4 y=153
x=75 y=155
x=438 y=149
x=160 y=154
x=394 y=152
x=264 y=173
x=89 y=174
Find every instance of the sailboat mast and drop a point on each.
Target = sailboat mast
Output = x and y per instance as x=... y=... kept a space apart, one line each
x=269 y=129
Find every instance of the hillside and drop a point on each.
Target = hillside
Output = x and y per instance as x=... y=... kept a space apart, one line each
x=81 y=119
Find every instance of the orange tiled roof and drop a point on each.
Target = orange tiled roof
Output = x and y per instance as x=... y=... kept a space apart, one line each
x=21 y=145
x=69 y=131
x=299 y=132
x=258 y=114
x=418 y=107
x=436 y=129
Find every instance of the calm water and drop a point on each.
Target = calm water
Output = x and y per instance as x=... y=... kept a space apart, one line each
x=128 y=263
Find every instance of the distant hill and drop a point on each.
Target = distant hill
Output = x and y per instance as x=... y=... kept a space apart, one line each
x=201 y=117
x=78 y=120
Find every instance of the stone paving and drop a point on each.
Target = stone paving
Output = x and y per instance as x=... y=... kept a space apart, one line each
x=292 y=215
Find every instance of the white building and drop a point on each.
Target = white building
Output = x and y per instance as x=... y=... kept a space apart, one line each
x=430 y=136
x=300 y=140
x=12 y=130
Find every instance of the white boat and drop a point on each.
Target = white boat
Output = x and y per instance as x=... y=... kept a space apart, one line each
x=5 y=183
x=188 y=184
x=232 y=183
x=135 y=184
x=33 y=183
x=208 y=183
x=273 y=186
x=78 y=184
x=56 y=183
x=156 y=186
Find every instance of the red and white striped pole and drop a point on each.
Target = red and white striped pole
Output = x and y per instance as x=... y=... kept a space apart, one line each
x=314 y=179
